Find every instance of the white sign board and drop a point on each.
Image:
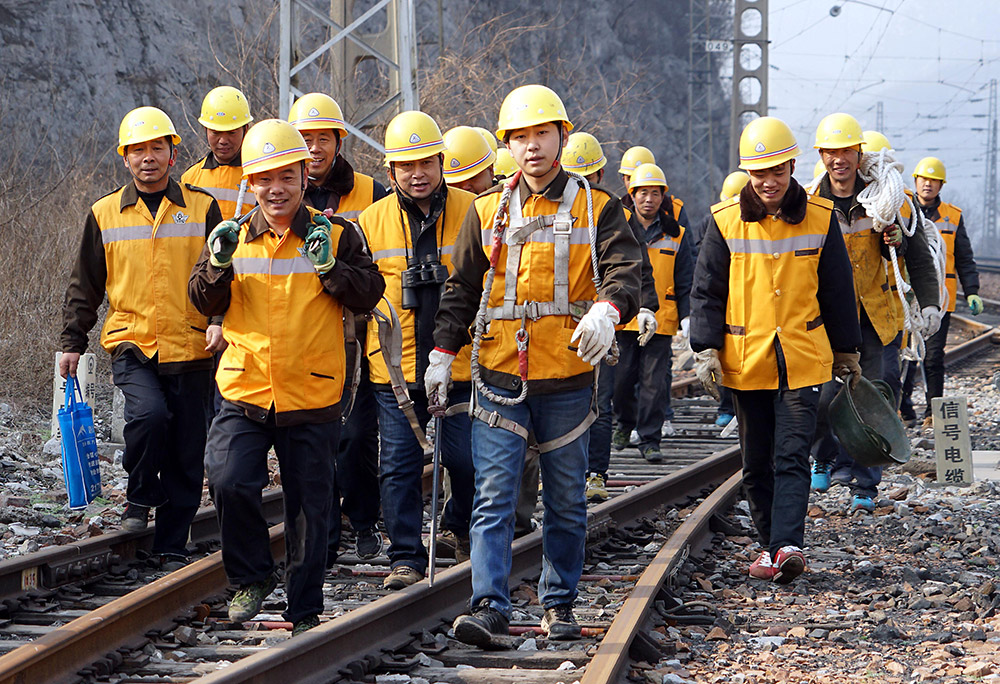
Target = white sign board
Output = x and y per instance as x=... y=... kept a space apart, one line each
x=951 y=440
x=717 y=46
x=86 y=374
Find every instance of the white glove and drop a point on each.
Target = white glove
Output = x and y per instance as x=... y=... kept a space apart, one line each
x=437 y=377
x=685 y=331
x=932 y=320
x=596 y=332
x=709 y=371
x=647 y=326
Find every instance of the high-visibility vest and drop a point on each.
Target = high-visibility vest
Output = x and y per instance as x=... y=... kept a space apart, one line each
x=223 y=183
x=285 y=332
x=389 y=242
x=677 y=206
x=553 y=288
x=871 y=285
x=773 y=284
x=358 y=199
x=663 y=255
x=149 y=260
x=947 y=224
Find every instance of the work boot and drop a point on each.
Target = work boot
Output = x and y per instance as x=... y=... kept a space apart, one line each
x=619 y=439
x=135 y=518
x=863 y=503
x=762 y=568
x=479 y=628
x=171 y=562
x=724 y=419
x=368 y=543
x=668 y=429
x=596 y=488
x=305 y=624
x=789 y=563
x=401 y=577
x=820 y=480
x=651 y=452
x=559 y=624
x=453 y=545
x=249 y=599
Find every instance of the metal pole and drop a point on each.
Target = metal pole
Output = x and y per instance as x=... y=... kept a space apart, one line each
x=406 y=26
x=285 y=58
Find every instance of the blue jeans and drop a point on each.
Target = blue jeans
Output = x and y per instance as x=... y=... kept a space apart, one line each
x=401 y=464
x=499 y=458
x=600 y=431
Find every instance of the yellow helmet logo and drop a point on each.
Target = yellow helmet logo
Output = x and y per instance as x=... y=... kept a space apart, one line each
x=759 y=147
x=414 y=138
x=313 y=112
x=581 y=160
x=268 y=148
x=455 y=162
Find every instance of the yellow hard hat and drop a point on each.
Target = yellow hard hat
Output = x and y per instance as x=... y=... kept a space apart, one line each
x=530 y=105
x=490 y=139
x=766 y=142
x=931 y=167
x=224 y=109
x=633 y=157
x=504 y=166
x=583 y=154
x=467 y=154
x=733 y=184
x=317 y=111
x=819 y=169
x=875 y=141
x=411 y=136
x=838 y=131
x=647 y=176
x=145 y=124
x=271 y=144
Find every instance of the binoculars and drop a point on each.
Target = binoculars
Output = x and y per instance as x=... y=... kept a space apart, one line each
x=428 y=272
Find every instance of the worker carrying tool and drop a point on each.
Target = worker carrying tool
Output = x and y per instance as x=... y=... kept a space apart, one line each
x=544 y=267
x=643 y=375
x=335 y=187
x=769 y=320
x=282 y=281
x=411 y=235
x=139 y=244
x=871 y=249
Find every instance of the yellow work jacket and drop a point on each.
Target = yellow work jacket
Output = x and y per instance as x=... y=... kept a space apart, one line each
x=662 y=255
x=947 y=224
x=358 y=199
x=148 y=262
x=386 y=228
x=773 y=282
x=677 y=206
x=551 y=356
x=285 y=332
x=221 y=181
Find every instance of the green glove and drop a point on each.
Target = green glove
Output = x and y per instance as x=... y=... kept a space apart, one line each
x=319 y=245
x=975 y=304
x=222 y=243
x=893 y=235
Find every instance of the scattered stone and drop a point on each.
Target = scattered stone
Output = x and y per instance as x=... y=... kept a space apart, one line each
x=717 y=634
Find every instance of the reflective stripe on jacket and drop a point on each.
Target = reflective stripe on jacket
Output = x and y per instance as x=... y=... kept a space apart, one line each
x=663 y=256
x=947 y=224
x=221 y=181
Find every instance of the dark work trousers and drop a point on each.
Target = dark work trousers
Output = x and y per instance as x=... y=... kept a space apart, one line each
x=600 y=430
x=166 y=420
x=827 y=449
x=906 y=411
x=726 y=402
x=237 y=473
x=934 y=363
x=776 y=429
x=890 y=367
x=642 y=386
x=357 y=467
x=216 y=394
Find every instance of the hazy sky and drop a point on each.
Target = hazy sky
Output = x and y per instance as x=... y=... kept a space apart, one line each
x=929 y=62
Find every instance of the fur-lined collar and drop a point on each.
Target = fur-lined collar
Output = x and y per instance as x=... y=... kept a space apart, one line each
x=792 y=209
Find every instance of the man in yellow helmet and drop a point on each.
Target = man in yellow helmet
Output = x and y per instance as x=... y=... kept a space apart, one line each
x=504 y=166
x=468 y=160
x=411 y=235
x=839 y=138
x=282 y=281
x=929 y=177
x=336 y=188
x=139 y=244
x=633 y=157
x=534 y=369
x=769 y=321
x=673 y=207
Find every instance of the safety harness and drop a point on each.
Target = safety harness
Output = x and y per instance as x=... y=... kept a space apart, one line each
x=510 y=223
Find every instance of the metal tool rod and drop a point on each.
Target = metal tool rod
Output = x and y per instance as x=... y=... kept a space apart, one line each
x=239 y=198
x=435 y=484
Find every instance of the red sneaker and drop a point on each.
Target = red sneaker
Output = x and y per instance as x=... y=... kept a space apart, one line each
x=789 y=563
x=762 y=568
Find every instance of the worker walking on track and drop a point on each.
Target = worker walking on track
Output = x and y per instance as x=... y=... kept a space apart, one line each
x=633 y=157
x=335 y=187
x=643 y=377
x=411 y=235
x=139 y=244
x=577 y=272
x=769 y=320
x=839 y=138
x=929 y=177
x=282 y=281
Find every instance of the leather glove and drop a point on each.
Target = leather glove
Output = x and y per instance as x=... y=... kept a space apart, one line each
x=596 y=332
x=893 y=235
x=932 y=320
x=319 y=245
x=685 y=330
x=222 y=243
x=709 y=371
x=437 y=377
x=647 y=326
x=847 y=367
x=975 y=304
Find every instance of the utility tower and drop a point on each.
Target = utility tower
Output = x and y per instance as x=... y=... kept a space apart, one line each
x=989 y=240
x=750 y=65
x=700 y=80
x=374 y=53
x=879 y=118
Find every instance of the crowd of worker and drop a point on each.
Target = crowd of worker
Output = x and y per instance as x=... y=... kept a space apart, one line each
x=492 y=287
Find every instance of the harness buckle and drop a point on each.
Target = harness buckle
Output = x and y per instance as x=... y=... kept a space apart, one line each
x=531 y=310
x=493 y=419
x=563 y=223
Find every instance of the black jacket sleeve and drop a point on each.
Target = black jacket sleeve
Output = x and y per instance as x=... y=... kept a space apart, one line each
x=710 y=291
x=464 y=287
x=920 y=268
x=354 y=280
x=649 y=300
x=208 y=286
x=965 y=261
x=378 y=191
x=683 y=274
x=619 y=261
x=85 y=291
x=840 y=313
